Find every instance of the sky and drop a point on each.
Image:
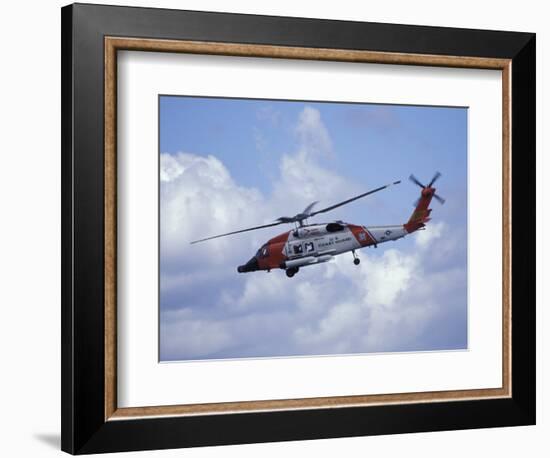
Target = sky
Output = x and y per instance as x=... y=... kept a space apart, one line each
x=228 y=164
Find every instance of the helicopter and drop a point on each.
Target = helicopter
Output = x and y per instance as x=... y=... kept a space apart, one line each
x=310 y=244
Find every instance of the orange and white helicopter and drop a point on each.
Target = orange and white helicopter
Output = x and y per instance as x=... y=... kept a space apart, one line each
x=309 y=244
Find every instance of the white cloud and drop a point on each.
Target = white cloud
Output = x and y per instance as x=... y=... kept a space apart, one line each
x=341 y=320
x=307 y=175
x=303 y=181
x=188 y=337
x=258 y=294
x=431 y=232
x=363 y=312
x=388 y=276
x=199 y=199
x=313 y=134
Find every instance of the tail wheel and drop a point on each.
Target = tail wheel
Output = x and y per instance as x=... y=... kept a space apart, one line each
x=356 y=261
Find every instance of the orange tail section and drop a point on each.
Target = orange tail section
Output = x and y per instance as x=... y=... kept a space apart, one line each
x=421 y=214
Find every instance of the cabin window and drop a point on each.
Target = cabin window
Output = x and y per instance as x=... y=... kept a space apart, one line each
x=298 y=248
x=309 y=247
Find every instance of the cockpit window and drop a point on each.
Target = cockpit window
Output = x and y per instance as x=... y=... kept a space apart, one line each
x=263 y=252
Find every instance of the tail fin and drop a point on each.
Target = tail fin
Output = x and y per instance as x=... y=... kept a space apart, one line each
x=421 y=214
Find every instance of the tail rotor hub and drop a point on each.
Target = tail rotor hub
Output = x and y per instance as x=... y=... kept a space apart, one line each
x=428 y=190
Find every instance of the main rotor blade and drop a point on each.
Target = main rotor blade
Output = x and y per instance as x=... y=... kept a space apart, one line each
x=415 y=181
x=434 y=179
x=236 y=232
x=286 y=219
x=332 y=207
x=307 y=210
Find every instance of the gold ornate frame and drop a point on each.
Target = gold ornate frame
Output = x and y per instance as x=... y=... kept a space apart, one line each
x=114 y=44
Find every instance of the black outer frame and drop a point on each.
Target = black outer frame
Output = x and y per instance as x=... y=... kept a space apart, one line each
x=83 y=427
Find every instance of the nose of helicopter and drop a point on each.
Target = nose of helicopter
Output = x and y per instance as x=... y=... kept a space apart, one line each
x=250 y=266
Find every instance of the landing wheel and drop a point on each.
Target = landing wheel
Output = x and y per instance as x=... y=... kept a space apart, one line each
x=291 y=272
x=356 y=261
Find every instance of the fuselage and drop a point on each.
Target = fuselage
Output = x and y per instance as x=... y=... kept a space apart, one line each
x=317 y=243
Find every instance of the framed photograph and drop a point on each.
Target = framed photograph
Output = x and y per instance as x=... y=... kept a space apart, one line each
x=281 y=228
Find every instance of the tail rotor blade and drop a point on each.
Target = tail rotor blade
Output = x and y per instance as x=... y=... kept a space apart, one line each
x=434 y=179
x=440 y=199
x=416 y=181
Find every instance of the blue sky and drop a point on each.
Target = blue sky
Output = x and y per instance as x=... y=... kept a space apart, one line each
x=231 y=163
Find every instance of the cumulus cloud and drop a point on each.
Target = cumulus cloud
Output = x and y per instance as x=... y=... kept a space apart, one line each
x=386 y=305
x=191 y=337
x=307 y=174
x=313 y=134
x=391 y=302
x=199 y=198
x=432 y=231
